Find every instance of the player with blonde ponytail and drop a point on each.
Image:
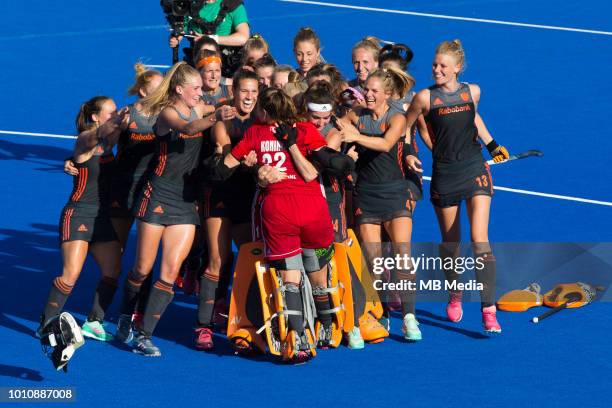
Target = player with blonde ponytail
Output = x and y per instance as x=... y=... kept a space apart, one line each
x=381 y=197
x=166 y=207
x=459 y=170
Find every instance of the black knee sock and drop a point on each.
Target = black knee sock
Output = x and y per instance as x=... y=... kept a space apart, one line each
x=293 y=298
x=225 y=278
x=57 y=299
x=449 y=250
x=160 y=297
x=486 y=276
x=143 y=296
x=105 y=291
x=322 y=304
x=131 y=291
x=208 y=289
x=406 y=296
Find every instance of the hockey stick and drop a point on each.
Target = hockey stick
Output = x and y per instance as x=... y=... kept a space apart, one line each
x=571 y=298
x=523 y=155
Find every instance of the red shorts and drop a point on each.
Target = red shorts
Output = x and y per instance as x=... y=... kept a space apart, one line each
x=292 y=222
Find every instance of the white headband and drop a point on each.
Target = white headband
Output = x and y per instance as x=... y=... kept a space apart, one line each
x=319 y=107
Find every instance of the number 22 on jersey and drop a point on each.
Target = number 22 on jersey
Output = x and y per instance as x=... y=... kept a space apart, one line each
x=278 y=160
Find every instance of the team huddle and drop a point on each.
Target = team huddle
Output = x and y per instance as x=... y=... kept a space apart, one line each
x=296 y=167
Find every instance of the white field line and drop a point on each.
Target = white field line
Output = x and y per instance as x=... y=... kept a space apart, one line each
x=447 y=17
x=427 y=178
x=156 y=66
x=10 y=132
x=538 y=194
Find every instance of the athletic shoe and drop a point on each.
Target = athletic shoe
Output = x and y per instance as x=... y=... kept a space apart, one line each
x=143 y=345
x=95 y=330
x=355 y=341
x=324 y=337
x=300 y=358
x=204 y=338
x=410 y=328
x=296 y=349
x=124 y=332
x=454 y=312
x=137 y=320
x=489 y=320
x=304 y=352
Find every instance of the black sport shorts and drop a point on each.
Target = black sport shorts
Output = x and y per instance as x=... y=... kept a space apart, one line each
x=232 y=203
x=79 y=223
x=158 y=204
x=453 y=182
x=378 y=203
x=125 y=192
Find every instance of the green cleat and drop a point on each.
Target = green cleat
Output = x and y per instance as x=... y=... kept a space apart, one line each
x=410 y=328
x=95 y=330
x=355 y=341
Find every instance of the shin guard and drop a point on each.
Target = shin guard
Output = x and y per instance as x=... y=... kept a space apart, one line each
x=245 y=310
x=487 y=276
x=161 y=296
x=277 y=312
x=105 y=291
x=58 y=295
x=367 y=305
x=131 y=292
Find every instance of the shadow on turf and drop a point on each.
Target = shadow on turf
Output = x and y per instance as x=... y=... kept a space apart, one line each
x=29 y=261
x=20 y=372
x=49 y=156
x=431 y=319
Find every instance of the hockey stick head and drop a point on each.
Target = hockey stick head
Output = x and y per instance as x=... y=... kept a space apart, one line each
x=518 y=156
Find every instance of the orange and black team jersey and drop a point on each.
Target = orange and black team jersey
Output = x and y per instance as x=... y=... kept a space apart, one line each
x=237 y=127
x=91 y=187
x=335 y=196
x=375 y=167
x=233 y=197
x=330 y=183
x=177 y=157
x=404 y=102
x=241 y=179
x=136 y=145
x=218 y=98
x=450 y=122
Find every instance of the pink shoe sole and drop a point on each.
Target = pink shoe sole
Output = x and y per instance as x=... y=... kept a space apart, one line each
x=489 y=320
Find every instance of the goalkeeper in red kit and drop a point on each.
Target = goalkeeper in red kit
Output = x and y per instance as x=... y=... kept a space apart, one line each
x=296 y=225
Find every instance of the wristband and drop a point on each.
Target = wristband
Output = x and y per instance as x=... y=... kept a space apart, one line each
x=492 y=146
x=254 y=169
x=409 y=149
